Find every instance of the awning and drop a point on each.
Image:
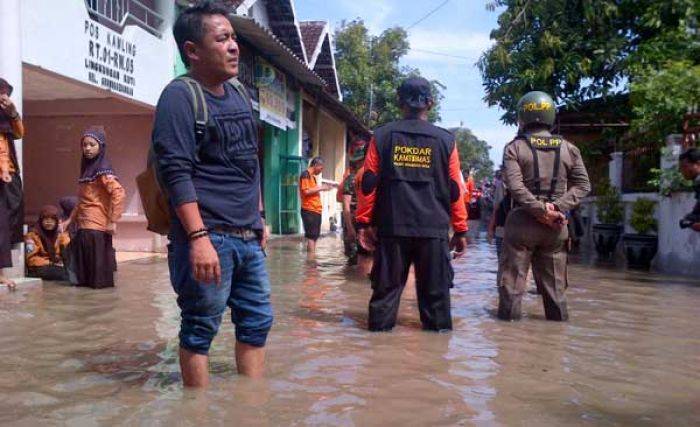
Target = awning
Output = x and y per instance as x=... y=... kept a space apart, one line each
x=277 y=52
x=281 y=56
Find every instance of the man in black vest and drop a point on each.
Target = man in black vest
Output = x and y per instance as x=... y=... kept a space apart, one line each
x=411 y=192
x=546 y=178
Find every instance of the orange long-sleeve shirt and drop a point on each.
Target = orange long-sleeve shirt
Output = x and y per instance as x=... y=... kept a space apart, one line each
x=470 y=190
x=101 y=203
x=6 y=161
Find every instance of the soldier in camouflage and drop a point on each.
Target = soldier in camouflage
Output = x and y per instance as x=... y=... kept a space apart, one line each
x=357 y=157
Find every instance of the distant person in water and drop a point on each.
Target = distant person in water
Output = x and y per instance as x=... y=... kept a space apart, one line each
x=310 y=190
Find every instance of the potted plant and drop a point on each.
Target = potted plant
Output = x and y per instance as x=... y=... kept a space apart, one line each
x=641 y=248
x=610 y=213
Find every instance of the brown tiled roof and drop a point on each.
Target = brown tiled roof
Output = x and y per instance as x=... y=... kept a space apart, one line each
x=311 y=34
x=284 y=24
x=231 y=4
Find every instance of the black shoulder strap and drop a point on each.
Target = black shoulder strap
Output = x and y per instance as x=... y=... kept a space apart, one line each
x=555 y=173
x=535 y=167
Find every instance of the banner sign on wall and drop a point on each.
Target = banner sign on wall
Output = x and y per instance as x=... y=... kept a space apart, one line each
x=110 y=59
x=272 y=91
x=115 y=45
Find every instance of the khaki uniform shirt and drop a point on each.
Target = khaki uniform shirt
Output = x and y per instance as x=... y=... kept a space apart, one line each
x=572 y=185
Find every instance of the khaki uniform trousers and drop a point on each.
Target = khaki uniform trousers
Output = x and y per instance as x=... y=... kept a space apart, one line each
x=527 y=242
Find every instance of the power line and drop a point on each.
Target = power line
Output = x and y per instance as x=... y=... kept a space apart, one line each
x=428 y=15
x=432 y=52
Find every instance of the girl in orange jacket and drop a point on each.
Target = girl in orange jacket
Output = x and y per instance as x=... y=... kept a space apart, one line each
x=100 y=205
x=45 y=247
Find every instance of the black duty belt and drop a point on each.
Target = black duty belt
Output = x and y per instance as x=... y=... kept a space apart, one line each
x=242 y=233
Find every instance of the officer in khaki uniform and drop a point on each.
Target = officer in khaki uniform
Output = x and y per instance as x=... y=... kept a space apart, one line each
x=546 y=178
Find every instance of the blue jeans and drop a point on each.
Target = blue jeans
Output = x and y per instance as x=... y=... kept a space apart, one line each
x=245 y=288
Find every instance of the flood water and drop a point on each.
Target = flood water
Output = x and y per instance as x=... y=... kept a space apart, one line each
x=629 y=356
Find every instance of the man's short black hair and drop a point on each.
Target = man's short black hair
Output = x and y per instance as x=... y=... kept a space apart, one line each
x=5 y=87
x=189 y=26
x=316 y=161
x=691 y=155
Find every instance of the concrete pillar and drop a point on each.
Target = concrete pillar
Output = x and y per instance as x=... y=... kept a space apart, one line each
x=11 y=70
x=615 y=169
x=673 y=144
x=11 y=57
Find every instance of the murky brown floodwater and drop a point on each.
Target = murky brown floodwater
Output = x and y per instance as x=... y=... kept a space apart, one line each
x=630 y=355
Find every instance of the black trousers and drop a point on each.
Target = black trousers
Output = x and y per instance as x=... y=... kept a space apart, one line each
x=10 y=222
x=49 y=272
x=434 y=275
x=93 y=259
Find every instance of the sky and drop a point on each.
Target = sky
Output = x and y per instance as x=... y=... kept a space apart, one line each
x=461 y=29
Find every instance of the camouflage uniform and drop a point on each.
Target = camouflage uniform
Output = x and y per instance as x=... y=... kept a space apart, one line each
x=350 y=244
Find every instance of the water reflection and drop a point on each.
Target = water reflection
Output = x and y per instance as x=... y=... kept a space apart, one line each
x=629 y=355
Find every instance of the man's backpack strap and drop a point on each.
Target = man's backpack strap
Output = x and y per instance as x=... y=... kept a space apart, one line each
x=201 y=111
x=243 y=91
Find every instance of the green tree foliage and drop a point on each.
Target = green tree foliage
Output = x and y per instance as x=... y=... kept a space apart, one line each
x=581 y=49
x=366 y=62
x=661 y=96
x=473 y=153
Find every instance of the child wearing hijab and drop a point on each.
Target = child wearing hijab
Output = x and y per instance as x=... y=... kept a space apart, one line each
x=45 y=246
x=100 y=205
x=68 y=205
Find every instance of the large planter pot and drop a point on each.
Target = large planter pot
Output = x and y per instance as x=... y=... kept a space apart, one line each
x=640 y=249
x=606 y=237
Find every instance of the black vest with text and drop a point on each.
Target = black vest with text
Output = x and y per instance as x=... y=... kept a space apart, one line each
x=413 y=198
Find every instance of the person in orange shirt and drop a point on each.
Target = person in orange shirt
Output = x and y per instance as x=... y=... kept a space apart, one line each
x=45 y=245
x=470 y=188
x=100 y=205
x=311 y=208
x=11 y=205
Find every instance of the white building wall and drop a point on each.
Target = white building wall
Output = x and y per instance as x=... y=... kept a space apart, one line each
x=679 y=250
x=66 y=41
